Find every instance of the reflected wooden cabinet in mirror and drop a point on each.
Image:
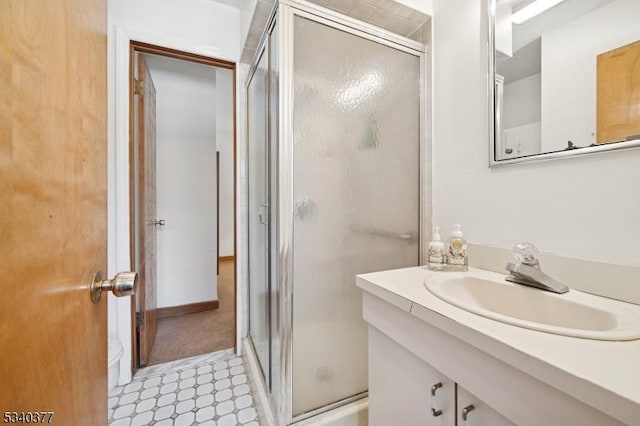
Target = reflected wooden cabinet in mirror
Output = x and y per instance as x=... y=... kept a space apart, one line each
x=564 y=80
x=618 y=94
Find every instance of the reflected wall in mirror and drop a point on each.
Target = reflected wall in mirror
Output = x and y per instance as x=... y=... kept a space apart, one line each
x=566 y=78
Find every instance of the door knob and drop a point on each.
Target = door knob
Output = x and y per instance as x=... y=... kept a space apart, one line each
x=123 y=284
x=160 y=222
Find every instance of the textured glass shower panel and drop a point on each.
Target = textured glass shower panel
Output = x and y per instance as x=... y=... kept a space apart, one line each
x=257 y=212
x=356 y=195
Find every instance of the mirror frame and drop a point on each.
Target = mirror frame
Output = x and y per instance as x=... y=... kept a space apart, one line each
x=491 y=18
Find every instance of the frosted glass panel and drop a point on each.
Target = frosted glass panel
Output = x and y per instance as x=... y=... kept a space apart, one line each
x=257 y=212
x=356 y=194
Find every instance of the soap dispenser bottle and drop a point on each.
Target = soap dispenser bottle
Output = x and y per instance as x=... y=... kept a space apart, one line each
x=457 y=259
x=436 y=252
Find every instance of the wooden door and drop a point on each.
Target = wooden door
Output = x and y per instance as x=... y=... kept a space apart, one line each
x=147 y=216
x=53 y=210
x=618 y=94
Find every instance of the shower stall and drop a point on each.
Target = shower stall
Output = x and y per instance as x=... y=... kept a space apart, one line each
x=335 y=146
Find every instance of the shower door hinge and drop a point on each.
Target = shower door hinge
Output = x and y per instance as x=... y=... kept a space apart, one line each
x=139 y=318
x=138 y=87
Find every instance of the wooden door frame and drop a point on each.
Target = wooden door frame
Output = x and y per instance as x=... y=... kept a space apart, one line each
x=143 y=47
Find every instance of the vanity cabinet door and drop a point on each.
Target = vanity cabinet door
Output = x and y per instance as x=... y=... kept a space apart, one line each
x=400 y=387
x=477 y=412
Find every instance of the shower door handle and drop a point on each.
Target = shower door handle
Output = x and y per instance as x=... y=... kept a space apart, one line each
x=409 y=237
x=263 y=214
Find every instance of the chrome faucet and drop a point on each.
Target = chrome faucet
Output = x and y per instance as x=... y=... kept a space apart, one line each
x=526 y=270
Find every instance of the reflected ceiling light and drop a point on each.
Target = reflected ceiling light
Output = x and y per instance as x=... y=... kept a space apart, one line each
x=532 y=9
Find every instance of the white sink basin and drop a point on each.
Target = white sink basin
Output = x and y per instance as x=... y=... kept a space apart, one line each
x=573 y=314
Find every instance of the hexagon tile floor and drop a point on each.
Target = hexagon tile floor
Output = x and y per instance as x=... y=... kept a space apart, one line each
x=210 y=389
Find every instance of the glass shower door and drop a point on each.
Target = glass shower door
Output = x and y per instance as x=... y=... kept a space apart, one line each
x=356 y=173
x=258 y=215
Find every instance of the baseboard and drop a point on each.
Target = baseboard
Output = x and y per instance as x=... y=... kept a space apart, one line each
x=191 y=308
x=227 y=258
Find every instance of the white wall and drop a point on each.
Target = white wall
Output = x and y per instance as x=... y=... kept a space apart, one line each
x=521 y=117
x=199 y=26
x=584 y=207
x=569 y=70
x=242 y=214
x=186 y=180
x=521 y=102
x=246 y=13
x=224 y=142
x=203 y=23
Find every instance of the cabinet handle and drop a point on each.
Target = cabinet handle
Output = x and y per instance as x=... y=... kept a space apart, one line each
x=434 y=388
x=466 y=410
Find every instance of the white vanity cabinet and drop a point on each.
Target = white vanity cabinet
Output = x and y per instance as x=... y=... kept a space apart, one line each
x=406 y=391
x=413 y=347
x=403 y=389
x=473 y=412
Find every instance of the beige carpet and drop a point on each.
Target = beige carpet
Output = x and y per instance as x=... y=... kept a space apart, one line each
x=187 y=335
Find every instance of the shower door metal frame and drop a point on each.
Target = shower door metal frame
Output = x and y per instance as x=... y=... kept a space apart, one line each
x=284 y=216
x=263 y=49
x=260 y=53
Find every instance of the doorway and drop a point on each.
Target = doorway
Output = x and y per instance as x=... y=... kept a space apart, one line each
x=182 y=186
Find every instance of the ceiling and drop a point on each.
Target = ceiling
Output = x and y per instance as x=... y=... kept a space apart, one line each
x=526 y=60
x=568 y=10
x=387 y=14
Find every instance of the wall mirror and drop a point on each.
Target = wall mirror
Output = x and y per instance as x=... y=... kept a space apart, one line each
x=564 y=78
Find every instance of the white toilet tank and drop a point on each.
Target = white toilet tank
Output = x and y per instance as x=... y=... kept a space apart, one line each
x=114 y=354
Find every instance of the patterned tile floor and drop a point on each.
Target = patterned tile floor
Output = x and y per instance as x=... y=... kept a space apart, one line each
x=210 y=389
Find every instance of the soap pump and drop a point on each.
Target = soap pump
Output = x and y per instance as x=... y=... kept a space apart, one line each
x=436 y=252
x=457 y=259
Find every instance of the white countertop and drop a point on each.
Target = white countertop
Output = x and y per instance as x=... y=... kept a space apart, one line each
x=602 y=374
